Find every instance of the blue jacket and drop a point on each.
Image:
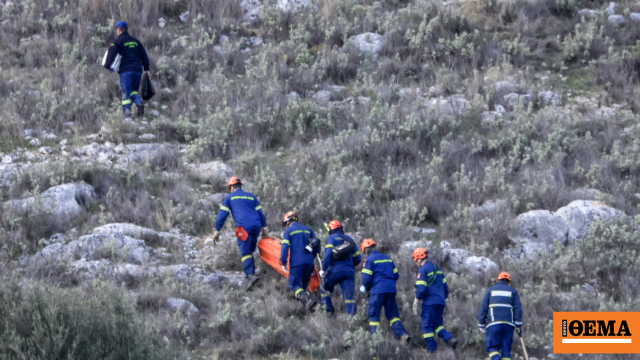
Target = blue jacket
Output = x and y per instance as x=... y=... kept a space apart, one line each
x=245 y=208
x=296 y=238
x=344 y=265
x=134 y=56
x=379 y=274
x=501 y=305
x=431 y=285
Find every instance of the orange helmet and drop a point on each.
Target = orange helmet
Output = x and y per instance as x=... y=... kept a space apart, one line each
x=504 y=275
x=367 y=243
x=334 y=224
x=290 y=216
x=420 y=253
x=234 y=181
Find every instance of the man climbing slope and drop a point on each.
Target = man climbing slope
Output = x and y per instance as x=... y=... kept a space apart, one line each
x=250 y=222
x=301 y=242
x=341 y=256
x=134 y=61
x=433 y=291
x=500 y=313
x=379 y=277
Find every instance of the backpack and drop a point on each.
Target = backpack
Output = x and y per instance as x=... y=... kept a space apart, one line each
x=343 y=251
x=115 y=65
x=146 y=88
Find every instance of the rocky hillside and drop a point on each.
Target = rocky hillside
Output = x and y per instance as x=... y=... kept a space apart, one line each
x=501 y=135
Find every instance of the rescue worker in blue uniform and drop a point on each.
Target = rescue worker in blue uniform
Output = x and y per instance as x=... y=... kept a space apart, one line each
x=134 y=61
x=433 y=291
x=379 y=277
x=301 y=243
x=500 y=313
x=339 y=272
x=250 y=222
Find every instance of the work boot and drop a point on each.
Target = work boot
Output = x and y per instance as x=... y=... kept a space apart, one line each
x=249 y=281
x=453 y=342
x=406 y=339
x=141 y=110
x=307 y=301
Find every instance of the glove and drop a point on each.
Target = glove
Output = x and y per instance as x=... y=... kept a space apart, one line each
x=363 y=289
x=322 y=273
x=265 y=232
x=215 y=236
x=519 y=331
x=284 y=268
x=111 y=71
x=415 y=306
x=482 y=329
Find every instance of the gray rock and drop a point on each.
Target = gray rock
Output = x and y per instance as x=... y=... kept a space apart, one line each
x=541 y=226
x=499 y=109
x=549 y=98
x=616 y=19
x=525 y=250
x=579 y=215
x=162 y=22
x=505 y=86
x=436 y=91
x=513 y=99
x=7 y=159
x=409 y=246
x=422 y=231
x=252 y=10
x=155 y=113
x=480 y=265
x=322 y=96
x=407 y=95
x=34 y=142
x=62 y=204
x=587 y=13
x=368 y=42
x=453 y=257
x=612 y=8
x=292 y=5
x=635 y=16
x=253 y=41
x=293 y=96
x=184 y=242
x=216 y=170
x=182 y=304
x=452 y=106
x=147 y=137
x=224 y=39
x=184 y=16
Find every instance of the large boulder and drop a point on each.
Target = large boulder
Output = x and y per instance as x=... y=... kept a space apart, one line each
x=292 y=5
x=452 y=106
x=566 y=225
x=579 y=215
x=454 y=258
x=541 y=226
x=480 y=265
x=62 y=203
x=152 y=237
x=368 y=42
x=115 y=247
x=252 y=10
x=214 y=170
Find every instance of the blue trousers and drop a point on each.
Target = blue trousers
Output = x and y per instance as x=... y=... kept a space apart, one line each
x=499 y=338
x=129 y=84
x=391 y=312
x=346 y=280
x=431 y=324
x=247 y=248
x=299 y=277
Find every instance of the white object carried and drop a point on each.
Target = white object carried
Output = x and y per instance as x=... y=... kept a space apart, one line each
x=115 y=65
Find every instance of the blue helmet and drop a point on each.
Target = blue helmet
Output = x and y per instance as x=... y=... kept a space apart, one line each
x=122 y=24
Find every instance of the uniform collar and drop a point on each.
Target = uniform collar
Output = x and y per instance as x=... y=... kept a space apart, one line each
x=124 y=33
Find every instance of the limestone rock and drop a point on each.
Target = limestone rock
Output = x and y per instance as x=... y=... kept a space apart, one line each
x=453 y=257
x=216 y=170
x=252 y=9
x=182 y=304
x=616 y=19
x=292 y=5
x=184 y=242
x=549 y=98
x=541 y=226
x=184 y=16
x=635 y=16
x=452 y=106
x=368 y=42
x=480 y=265
x=587 y=13
x=579 y=215
x=322 y=97
x=62 y=203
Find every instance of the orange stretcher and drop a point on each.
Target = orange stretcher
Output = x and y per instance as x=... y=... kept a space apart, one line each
x=270 y=251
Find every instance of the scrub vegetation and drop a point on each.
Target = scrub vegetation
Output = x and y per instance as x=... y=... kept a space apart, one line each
x=419 y=133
